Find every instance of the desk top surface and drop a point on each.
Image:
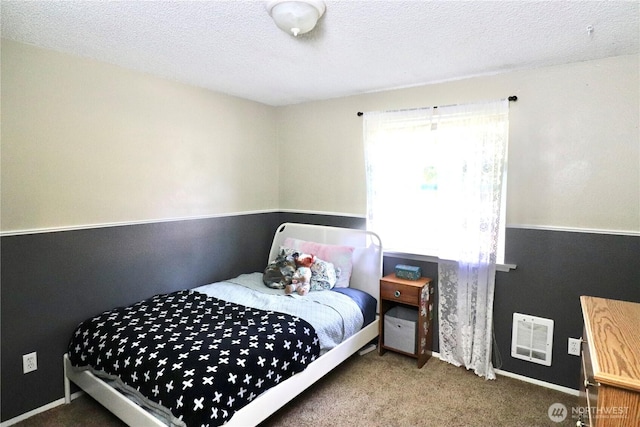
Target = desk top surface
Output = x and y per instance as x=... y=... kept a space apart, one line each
x=613 y=336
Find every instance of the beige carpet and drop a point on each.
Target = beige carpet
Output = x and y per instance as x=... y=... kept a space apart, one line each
x=371 y=390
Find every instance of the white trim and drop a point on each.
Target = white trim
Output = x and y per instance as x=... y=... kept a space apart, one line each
x=310 y=212
x=161 y=220
x=576 y=229
x=125 y=223
x=435 y=259
x=507 y=267
x=534 y=381
x=39 y=410
x=415 y=257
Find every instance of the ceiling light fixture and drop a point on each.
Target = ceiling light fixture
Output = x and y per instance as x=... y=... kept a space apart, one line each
x=296 y=16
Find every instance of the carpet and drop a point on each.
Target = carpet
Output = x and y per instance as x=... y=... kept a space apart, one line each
x=389 y=390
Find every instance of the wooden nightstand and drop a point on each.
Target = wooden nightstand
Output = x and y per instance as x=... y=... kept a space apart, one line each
x=408 y=293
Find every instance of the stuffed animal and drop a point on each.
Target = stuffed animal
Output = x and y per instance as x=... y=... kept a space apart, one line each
x=301 y=280
x=279 y=272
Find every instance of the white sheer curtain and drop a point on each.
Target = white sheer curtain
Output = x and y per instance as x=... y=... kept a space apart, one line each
x=470 y=200
x=435 y=180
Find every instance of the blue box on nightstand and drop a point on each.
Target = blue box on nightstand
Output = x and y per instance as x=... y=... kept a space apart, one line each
x=408 y=272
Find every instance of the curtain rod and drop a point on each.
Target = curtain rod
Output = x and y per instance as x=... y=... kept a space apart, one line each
x=512 y=98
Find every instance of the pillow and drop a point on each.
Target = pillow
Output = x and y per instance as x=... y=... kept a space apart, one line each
x=323 y=274
x=367 y=303
x=339 y=256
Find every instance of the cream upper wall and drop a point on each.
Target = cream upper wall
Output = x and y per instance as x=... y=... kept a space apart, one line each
x=574 y=143
x=85 y=143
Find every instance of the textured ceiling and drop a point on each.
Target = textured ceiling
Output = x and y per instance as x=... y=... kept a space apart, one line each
x=358 y=46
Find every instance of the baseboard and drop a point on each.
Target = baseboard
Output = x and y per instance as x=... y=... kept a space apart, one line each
x=544 y=384
x=39 y=410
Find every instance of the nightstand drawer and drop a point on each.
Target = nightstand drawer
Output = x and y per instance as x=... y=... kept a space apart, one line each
x=407 y=294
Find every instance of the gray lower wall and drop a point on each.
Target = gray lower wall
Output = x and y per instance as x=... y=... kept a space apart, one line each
x=52 y=281
x=554 y=269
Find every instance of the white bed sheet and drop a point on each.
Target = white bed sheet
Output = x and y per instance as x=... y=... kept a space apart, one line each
x=334 y=316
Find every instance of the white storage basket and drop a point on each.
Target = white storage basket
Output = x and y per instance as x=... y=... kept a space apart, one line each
x=400 y=326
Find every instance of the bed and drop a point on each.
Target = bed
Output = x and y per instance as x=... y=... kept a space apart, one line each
x=317 y=355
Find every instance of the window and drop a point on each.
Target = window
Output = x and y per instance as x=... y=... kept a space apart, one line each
x=436 y=179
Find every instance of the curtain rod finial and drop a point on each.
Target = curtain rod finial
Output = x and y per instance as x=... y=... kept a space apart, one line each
x=360 y=114
x=513 y=98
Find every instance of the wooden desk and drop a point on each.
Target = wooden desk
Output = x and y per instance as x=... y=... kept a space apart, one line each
x=610 y=377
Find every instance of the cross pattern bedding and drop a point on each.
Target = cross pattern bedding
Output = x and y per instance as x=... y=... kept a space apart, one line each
x=200 y=357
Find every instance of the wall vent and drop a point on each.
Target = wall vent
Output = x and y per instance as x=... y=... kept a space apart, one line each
x=532 y=338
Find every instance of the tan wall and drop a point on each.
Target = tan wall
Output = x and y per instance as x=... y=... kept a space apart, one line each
x=574 y=157
x=85 y=143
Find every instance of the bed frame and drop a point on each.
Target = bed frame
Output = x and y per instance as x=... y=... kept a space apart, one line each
x=367 y=270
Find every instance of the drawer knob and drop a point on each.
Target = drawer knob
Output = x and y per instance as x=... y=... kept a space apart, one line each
x=396 y=294
x=588 y=383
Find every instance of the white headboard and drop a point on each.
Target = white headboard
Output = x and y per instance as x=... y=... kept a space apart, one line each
x=367 y=255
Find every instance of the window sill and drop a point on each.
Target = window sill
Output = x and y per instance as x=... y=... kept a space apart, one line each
x=434 y=259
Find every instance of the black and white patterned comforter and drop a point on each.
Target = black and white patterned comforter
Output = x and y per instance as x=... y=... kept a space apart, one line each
x=200 y=357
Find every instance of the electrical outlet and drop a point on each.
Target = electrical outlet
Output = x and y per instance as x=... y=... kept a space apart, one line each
x=574 y=346
x=29 y=362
